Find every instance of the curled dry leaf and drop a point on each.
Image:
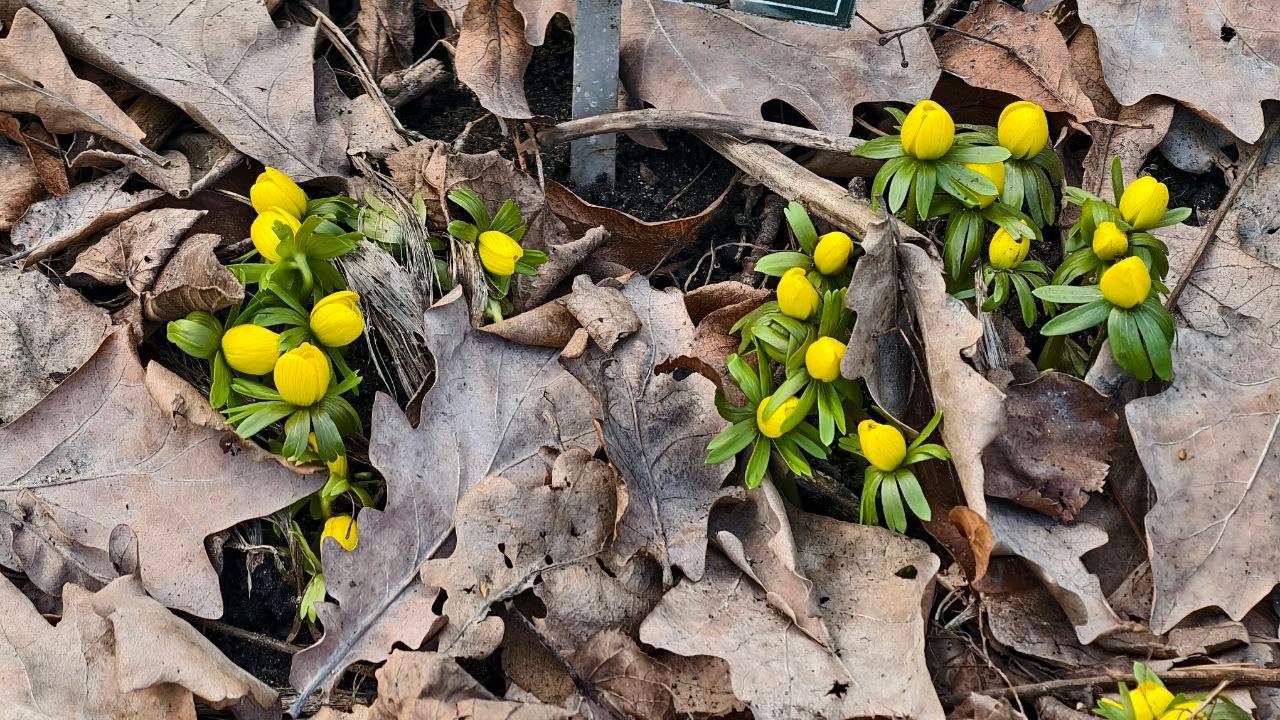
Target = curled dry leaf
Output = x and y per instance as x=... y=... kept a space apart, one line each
x=115 y=444
x=492 y=56
x=682 y=56
x=20 y=186
x=46 y=332
x=715 y=308
x=1038 y=69
x=226 y=65
x=1219 y=59
x=602 y=310
x=366 y=123
x=871 y=583
x=50 y=557
x=1209 y=444
x=35 y=78
x=37 y=141
x=134 y=252
x=116 y=653
x=200 y=160
x=656 y=429
x=430 y=685
x=494 y=404
x=193 y=279
x=56 y=224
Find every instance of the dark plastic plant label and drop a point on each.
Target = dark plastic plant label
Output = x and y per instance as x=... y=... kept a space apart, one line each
x=822 y=12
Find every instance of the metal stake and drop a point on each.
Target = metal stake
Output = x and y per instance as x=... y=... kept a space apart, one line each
x=597 y=41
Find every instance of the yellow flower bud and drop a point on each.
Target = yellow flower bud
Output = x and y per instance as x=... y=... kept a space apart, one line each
x=1144 y=202
x=1184 y=711
x=1149 y=700
x=1127 y=283
x=993 y=172
x=302 y=375
x=882 y=445
x=275 y=189
x=263 y=233
x=336 y=320
x=822 y=359
x=796 y=296
x=251 y=349
x=1006 y=251
x=1023 y=129
x=498 y=252
x=831 y=254
x=771 y=426
x=343 y=529
x=928 y=131
x=1109 y=241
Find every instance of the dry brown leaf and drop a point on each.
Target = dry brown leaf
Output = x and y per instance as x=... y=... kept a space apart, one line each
x=983 y=707
x=1209 y=444
x=48 y=165
x=20 y=185
x=602 y=310
x=701 y=685
x=492 y=56
x=35 y=78
x=51 y=558
x=134 y=252
x=587 y=598
x=366 y=123
x=864 y=575
x=46 y=332
x=715 y=308
x=115 y=444
x=1253 y=222
x=429 y=686
x=630 y=680
x=549 y=325
x=1031 y=622
x=656 y=429
x=116 y=653
x=200 y=160
x=1193 y=144
x=1039 y=69
x=682 y=56
x=193 y=279
x=1056 y=448
x=56 y=224
x=384 y=35
x=494 y=404
x=226 y=65
x=1220 y=59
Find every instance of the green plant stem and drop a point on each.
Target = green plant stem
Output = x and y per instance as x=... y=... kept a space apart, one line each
x=304 y=269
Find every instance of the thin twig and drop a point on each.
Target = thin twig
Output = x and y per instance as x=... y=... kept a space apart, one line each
x=249 y=636
x=682 y=120
x=1238 y=675
x=686 y=187
x=1211 y=229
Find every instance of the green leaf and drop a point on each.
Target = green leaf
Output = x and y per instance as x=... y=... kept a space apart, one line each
x=745 y=376
x=792 y=456
x=328 y=439
x=801 y=226
x=1069 y=294
x=1117 y=179
x=1041 y=202
x=1012 y=193
x=1079 y=263
x=220 y=389
x=895 y=517
x=976 y=183
x=976 y=154
x=927 y=451
x=1157 y=344
x=963 y=242
x=473 y=204
x=897 y=114
x=1049 y=161
x=775 y=264
x=949 y=185
x=887 y=171
x=927 y=431
x=914 y=496
x=1026 y=302
x=297 y=431
x=1000 y=295
x=1174 y=216
x=788 y=389
x=252 y=389
x=328 y=247
x=807 y=437
x=507 y=219
x=900 y=185
x=731 y=441
x=464 y=231
x=872 y=479
x=263 y=417
x=342 y=414
x=926 y=181
x=882 y=148
x=1126 y=344
x=276 y=315
x=757 y=463
x=1077 y=319
x=198 y=335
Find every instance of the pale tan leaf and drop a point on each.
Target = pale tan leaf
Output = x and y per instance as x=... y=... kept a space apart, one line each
x=384 y=35
x=20 y=185
x=602 y=310
x=492 y=56
x=429 y=686
x=193 y=279
x=630 y=680
x=200 y=161
x=134 y=252
x=37 y=141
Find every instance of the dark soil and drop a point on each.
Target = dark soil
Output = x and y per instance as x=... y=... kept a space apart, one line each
x=259 y=598
x=1201 y=192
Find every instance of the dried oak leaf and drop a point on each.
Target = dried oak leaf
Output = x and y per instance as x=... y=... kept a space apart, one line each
x=714 y=309
x=430 y=686
x=1031 y=622
x=116 y=653
x=1209 y=445
x=493 y=405
x=602 y=310
x=134 y=252
x=385 y=34
x=225 y=64
x=46 y=332
x=1220 y=59
x=629 y=679
x=114 y=444
x=682 y=56
x=871 y=583
x=193 y=279
x=35 y=78
x=199 y=161
x=20 y=185
x=56 y=224
x=656 y=429
x=1038 y=69
x=492 y=56
x=37 y=141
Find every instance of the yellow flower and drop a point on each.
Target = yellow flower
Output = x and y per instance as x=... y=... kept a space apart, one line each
x=263 y=233
x=1023 y=129
x=343 y=529
x=251 y=349
x=337 y=466
x=1144 y=202
x=336 y=320
x=1184 y=711
x=771 y=426
x=1109 y=241
x=1127 y=283
x=274 y=189
x=993 y=172
x=796 y=296
x=831 y=255
x=1149 y=700
x=1006 y=251
x=882 y=445
x=302 y=375
x=498 y=252
x=928 y=131
x=822 y=359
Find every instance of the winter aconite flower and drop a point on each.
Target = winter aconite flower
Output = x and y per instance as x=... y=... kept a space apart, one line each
x=274 y=189
x=251 y=349
x=796 y=296
x=883 y=445
x=993 y=172
x=263 y=233
x=928 y=131
x=772 y=426
x=1023 y=129
x=302 y=375
x=1109 y=241
x=336 y=320
x=1144 y=203
x=498 y=252
x=343 y=529
x=1006 y=251
x=1127 y=283
x=822 y=358
x=831 y=255
x=1150 y=701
